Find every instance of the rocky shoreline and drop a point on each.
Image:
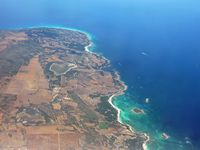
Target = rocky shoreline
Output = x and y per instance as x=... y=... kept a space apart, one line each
x=125 y=87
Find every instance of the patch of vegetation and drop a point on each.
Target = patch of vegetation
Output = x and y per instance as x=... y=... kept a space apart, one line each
x=47 y=72
x=43 y=32
x=112 y=140
x=92 y=137
x=91 y=116
x=103 y=125
x=76 y=46
x=107 y=110
x=135 y=143
x=16 y=55
x=6 y=100
x=95 y=95
x=72 y=74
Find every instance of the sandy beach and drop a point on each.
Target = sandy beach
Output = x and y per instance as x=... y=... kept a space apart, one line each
x=117 y=94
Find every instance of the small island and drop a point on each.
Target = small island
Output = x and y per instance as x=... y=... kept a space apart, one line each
x=165 y=136
x=138 y=111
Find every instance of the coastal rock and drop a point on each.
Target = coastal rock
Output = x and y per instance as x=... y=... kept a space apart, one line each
x=138 y=111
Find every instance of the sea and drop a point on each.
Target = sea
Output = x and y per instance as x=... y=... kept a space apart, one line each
x=153 y=44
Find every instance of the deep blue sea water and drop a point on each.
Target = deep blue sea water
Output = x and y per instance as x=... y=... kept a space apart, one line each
x=155 y=46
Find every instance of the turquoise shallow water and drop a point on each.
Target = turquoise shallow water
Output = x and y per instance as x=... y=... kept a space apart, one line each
x=147 y=123
x=153 y=44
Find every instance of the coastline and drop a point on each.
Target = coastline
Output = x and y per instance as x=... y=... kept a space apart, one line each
x=87 y=49
x=89 y=36
x=144 y=145
x=125 y=87
x=154 y=137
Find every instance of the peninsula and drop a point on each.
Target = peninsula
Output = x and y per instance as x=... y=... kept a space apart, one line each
x=54 y=94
